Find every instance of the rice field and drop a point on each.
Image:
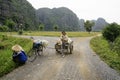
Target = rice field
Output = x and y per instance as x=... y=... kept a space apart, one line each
x=53 y=33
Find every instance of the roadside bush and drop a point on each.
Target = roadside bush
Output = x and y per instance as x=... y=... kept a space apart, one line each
x=102 y=48
x=116 y=46
x=111 y=32
x=3 y=28
x=20 y=32
x=10 y=23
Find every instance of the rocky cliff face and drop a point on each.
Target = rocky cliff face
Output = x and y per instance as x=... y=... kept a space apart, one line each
x=100 y=24
x=63 y=17
x=20 y=11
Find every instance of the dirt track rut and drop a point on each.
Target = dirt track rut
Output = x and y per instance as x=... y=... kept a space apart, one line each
x=83 y=64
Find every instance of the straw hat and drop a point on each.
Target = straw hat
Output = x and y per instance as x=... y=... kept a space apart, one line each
x=17 y=48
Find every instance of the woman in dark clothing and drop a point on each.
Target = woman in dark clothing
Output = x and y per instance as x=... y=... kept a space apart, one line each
x=19 y=55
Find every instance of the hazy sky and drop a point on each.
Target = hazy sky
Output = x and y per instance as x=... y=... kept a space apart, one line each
x=85 y=9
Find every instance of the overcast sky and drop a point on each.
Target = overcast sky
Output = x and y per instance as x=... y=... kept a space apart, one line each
x=85 y=9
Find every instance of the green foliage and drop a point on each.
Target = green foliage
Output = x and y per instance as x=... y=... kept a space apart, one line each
x=18 y=11
x=55 y=27
x=116 y=46
x=63 y=17
x=102 y=48
x=6 y=63
x=111 y=32
x=3 y=28
x=88 y=25
x=41 y=27
x=20 y=32
x=10 y=23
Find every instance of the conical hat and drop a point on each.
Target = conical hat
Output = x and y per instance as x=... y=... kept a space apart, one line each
x=17 y=48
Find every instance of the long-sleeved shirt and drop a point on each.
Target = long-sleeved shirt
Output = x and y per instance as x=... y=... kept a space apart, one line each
x=64 y=37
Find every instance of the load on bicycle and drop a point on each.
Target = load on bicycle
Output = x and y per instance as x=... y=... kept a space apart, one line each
x=39 y=45
x=64 y=45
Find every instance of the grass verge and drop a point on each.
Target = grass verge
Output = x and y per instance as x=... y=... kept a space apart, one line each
x=102 y=48
x=6 y=42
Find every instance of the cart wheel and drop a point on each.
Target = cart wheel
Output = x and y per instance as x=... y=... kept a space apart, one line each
x=71 y=49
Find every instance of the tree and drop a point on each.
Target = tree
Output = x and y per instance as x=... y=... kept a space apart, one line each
x=41 y=27
x=20 y=32
x=88 y=25
x=10 y=23
x=111 y=32
x=55 y=27
x=3 y=28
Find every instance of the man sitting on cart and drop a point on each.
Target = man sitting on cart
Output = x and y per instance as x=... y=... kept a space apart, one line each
x=64 y=38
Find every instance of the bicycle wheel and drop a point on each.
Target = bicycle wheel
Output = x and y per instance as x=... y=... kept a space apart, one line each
x=40 y=50
x=33 y=55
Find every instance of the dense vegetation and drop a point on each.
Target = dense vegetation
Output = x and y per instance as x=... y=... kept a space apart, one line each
x=63 y=17
x=6 y=42
x=18 y=12
x=111 y=32
x=102 y=47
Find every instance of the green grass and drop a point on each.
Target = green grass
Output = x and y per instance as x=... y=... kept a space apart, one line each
x=103 y=49
x=54 y=34
x=6 y=42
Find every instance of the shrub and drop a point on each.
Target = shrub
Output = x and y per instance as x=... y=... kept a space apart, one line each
x=10 y=23
x=111 y=32
x=102 y=48
x=116 y=46
x=20 y=32
x=3 y=28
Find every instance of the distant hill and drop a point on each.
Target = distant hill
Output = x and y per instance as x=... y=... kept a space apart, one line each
x=63 y=17
x=20 y=11
x=81 y=23
x=100 y=23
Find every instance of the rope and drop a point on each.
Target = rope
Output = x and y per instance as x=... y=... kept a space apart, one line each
x=50 y=48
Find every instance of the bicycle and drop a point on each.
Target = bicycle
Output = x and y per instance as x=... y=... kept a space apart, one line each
x=35 y=52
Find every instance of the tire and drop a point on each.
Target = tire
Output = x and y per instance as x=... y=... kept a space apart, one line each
x=56 y=48
x=71 y=49
x=33 y=56
x=40 y=50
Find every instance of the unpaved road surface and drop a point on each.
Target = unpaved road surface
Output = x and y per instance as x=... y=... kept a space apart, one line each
x=83 y=64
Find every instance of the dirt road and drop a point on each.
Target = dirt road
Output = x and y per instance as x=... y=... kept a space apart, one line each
x=83 y=64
